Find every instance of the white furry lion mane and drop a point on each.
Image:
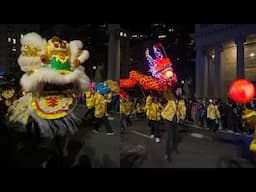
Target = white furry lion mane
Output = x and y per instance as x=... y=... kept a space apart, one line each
x=29 y=81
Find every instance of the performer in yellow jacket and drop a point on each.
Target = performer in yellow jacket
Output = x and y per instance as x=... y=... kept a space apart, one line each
x=249 y=120
x=140 y=108
x=213 y=115
x=124 y=112
x=153 y=112
x=129 y=108
x=100 y=114
x=108 y=101
x=173 y=113
x=89 y=104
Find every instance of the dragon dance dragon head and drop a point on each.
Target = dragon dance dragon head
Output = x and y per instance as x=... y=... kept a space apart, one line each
x=160 y=65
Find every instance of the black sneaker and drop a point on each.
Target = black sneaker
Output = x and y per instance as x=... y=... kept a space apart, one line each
x=122 y=130
x=95 y=131
x=111 y=133
x=168 y=158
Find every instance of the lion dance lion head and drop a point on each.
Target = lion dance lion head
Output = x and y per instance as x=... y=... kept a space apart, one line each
x=53 y=75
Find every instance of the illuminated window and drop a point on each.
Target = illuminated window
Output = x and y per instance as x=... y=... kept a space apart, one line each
x=162 y=36
x=9 y=39
x=121 y=34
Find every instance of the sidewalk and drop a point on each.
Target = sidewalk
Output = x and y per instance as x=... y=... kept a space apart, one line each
x=191 y=124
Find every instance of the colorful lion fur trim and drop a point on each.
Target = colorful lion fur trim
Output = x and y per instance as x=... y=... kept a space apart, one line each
x=53 y=75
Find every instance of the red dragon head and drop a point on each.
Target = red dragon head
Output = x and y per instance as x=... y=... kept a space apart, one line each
x=161 y=66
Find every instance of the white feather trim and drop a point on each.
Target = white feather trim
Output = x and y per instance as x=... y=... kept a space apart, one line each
x=48 y=75
x=44 y=47
x=78 y=43
x=29 y=63
x=33 y=39
x=75 y=47
x=84 y=80
x=84 y=56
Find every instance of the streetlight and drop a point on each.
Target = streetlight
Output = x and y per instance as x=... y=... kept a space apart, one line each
x=94 y=67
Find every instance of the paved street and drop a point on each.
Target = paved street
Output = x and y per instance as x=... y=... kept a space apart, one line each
x=86 y=149
x=199 y=148
x=97 y=149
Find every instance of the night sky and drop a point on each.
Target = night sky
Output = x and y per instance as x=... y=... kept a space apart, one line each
x=176 y=44
x=146 y=27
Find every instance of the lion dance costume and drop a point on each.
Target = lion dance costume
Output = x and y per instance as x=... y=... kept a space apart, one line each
x=53 y=76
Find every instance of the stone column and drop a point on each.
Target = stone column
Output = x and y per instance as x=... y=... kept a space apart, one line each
x=217 y=71
x=199 y=79
x=113 y=69
x=210 y=88
x=205 y=74
x=240 y=58
x=3 y=48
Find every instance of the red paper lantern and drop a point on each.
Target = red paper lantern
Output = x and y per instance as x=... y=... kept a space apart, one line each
x=242 y=91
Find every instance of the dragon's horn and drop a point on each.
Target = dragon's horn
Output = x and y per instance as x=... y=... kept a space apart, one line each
x=159 y=50
x=149 y=58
